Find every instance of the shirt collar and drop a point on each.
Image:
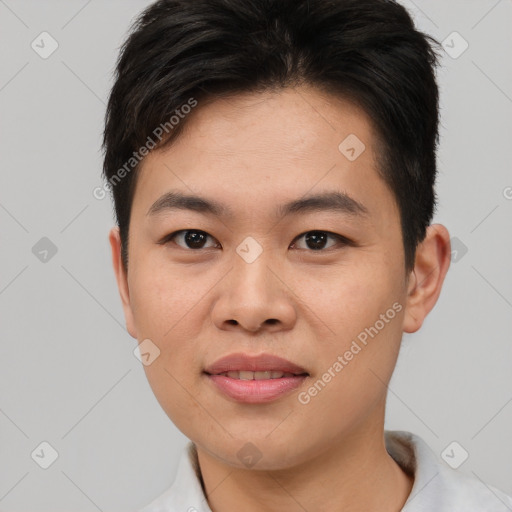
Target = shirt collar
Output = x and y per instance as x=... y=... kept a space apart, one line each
x=436 y=487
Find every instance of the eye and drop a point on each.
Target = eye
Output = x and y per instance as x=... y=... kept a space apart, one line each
x=316 y=240
x=191 y=238
x=195 y=239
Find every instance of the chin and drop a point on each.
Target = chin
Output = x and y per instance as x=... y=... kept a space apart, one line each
x=257 y=452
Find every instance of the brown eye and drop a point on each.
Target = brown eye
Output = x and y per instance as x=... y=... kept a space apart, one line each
x=190 y=239
x=196 y=239
x=317 y=240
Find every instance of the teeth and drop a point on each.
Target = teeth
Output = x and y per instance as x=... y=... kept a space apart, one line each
x=247 y=375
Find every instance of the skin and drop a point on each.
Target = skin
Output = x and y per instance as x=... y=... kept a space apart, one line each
x=252 y=152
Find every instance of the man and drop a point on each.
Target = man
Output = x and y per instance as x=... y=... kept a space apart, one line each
x=273 y=164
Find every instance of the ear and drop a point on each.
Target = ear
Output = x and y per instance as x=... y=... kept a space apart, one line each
x=122 y=279
x=426 y=279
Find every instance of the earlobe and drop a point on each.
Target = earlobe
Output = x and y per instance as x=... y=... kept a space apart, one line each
x=122 y=280
x=426 y=279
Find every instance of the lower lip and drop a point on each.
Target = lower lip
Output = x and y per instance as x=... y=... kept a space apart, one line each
x=256 y=391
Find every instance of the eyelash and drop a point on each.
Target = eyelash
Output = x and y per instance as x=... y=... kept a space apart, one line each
x=343 y=241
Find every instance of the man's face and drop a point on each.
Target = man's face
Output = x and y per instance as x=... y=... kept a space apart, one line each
x=260 y=282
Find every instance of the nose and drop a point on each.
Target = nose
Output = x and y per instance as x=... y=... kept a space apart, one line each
x=254 y=296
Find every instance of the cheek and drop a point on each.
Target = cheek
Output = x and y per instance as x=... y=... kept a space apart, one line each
x=173 y=383
x=363 y=310
x=347 y=299
x=162 y=302
x=167 y=310
x=170 y=310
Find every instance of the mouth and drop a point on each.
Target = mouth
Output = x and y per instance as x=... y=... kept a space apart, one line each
x=263 y=366
x=255 y=379
x=259 y=375
x=240 y=389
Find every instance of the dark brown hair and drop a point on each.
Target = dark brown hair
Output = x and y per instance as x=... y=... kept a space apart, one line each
x=367 y=50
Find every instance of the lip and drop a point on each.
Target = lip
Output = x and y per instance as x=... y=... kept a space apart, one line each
x=255 y=391
x=253 y=363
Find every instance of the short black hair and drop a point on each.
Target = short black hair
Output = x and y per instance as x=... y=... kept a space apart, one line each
x=184 y=52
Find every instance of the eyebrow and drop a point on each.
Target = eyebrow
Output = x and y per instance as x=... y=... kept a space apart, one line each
x=333 y=201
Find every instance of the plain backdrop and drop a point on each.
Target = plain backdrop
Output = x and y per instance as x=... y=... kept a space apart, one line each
x=68 y=375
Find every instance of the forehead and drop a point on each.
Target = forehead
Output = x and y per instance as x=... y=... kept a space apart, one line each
x=268 y=148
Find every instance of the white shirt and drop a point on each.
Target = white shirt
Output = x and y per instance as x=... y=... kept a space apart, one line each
x=437 y=487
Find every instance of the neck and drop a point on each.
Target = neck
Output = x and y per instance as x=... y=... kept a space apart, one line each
x=354 y=473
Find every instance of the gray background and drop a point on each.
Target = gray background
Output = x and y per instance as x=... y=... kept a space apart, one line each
x=68 y=375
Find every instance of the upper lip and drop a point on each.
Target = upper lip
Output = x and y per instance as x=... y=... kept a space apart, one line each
x=253 y=363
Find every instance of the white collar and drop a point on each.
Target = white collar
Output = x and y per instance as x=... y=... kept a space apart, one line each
x=436 y=486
